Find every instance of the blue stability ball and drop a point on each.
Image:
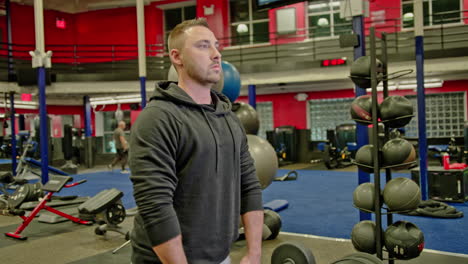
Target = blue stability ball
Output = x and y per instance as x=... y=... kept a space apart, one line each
x=232 y=82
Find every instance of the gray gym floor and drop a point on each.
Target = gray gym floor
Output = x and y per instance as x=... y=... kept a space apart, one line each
x=67 y=242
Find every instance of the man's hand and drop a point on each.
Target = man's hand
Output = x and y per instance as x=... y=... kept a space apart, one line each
x=171 y=251
x=253 y=227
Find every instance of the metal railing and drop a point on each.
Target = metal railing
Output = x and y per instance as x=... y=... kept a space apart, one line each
x=301 y=47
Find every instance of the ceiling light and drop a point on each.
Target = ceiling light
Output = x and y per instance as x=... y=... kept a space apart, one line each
x=121 y=99
x=318 y=6
x=21 y=105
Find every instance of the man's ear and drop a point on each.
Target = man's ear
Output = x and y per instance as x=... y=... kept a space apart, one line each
x=176 y=57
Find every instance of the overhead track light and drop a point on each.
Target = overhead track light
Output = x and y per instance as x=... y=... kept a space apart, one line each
x=21 y=105
x=120 y=99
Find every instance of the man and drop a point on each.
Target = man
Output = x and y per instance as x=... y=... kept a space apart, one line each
x=191 y=170
x=121 y=147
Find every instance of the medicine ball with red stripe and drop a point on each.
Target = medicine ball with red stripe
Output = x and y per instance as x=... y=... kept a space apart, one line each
x=361 y=109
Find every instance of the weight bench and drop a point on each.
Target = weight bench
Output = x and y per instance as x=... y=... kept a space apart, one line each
x=55 y=184
x=106 y=209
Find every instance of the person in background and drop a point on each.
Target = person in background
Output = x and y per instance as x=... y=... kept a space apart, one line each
x=121 y=146
x=192 y=173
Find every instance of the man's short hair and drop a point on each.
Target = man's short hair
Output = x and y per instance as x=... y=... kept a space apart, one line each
x=173 y=41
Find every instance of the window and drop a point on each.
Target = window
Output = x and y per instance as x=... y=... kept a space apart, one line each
x=265 y=115
x=445 y=116
x=435 y=12
x=110 y=124
x=327 y=114
x=324 y=19
x=247 y=27
x=174 y=16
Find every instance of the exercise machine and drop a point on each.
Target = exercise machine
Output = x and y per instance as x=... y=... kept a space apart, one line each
x=340 y=148
x=54 y=185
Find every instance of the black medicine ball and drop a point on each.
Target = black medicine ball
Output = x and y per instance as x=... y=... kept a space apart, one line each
x=364 y=196
x=404 y=240
x=396 y=111
x=398 y=151
x=402 y=194
x=364 y=159
x=361 y=71
x=361 y=109
x=363 y=237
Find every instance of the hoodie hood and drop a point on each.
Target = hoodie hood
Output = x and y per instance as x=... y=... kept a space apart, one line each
x=170 y=91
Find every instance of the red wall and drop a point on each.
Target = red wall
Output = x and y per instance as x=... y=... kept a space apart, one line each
x=465 y=7
x=300 y=24
x=110 y=26
x=384 y=10
x=22 y=27
x=219 y=20
x=116 y=26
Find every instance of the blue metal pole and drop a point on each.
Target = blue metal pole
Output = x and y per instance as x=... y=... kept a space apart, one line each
x=253 y=96
x=87 y=109
x=361 y=130
x=419 y=51
x=421 y=115
x=44 y=129
x=143 y=91
x=13 y=133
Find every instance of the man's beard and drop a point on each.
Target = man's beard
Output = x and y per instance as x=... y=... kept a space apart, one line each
x=202 y=77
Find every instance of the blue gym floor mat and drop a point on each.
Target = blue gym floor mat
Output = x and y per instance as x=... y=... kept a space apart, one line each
x=321 y=204
x=5 y=161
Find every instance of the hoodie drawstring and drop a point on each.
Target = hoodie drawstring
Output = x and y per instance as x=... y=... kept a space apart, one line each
x=233 y=140
x=214 y=136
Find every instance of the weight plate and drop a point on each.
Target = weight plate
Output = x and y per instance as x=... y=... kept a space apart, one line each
x=359 y=258
x=292 y=253
x=19 y=196
x=115 y=214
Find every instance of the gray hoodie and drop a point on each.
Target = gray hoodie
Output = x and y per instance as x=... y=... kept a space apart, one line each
x=192 y=175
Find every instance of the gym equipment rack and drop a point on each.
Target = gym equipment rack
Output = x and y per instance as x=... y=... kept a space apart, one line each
x=376 y=150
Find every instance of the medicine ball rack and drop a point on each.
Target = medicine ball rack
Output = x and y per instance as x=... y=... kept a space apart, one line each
x=376 y=150
x=375 y=138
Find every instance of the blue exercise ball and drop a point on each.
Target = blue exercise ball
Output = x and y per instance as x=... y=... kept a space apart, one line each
x=232 y=82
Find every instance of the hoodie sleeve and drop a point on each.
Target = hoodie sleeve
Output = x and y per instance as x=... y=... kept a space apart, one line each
x=251 y=192
x=153 y=147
